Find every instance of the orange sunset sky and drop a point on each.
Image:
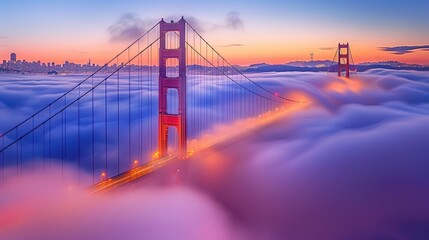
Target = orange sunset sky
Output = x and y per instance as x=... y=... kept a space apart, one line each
x=245 y=32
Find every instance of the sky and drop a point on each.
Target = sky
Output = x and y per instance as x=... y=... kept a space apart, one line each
x=245 y=32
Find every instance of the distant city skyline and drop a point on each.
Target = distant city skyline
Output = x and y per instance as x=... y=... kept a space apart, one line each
x=14 y=58
x=248 y=32
x=16 y=65
x=90 y=63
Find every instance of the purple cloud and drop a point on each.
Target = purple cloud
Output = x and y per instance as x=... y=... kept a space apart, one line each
x=326 y=48
x=127 y=28
x=196 y=24
x=233 y=20
x=232 y=45
x=400 y=50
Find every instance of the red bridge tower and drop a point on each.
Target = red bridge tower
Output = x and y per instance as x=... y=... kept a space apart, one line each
x=343 y=59
x=165 y=119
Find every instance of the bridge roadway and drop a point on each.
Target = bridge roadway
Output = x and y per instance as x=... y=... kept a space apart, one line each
x=227 y=137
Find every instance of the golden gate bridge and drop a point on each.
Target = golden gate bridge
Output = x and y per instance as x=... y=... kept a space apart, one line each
x=157 y=100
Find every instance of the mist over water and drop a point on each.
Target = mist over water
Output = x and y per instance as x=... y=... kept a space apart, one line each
x=353 y=164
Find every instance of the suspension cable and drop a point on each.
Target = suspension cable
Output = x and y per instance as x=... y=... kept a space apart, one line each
x=79 y=84
x=332 y=62
x=77 y=99
x=241 y=73
x=230 y=77
x=353 y=61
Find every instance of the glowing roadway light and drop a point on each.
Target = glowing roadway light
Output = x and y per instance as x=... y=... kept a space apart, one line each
x=190 y=153
x=156 y=155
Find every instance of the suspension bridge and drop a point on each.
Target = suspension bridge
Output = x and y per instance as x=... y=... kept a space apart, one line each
x=166 y=95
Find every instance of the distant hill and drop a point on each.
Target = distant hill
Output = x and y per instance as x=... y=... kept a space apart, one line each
x=391 y=64
x=310 y=64
x=325 y=65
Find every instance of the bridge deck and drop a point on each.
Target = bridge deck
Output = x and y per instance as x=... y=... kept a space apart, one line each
x=223 y=139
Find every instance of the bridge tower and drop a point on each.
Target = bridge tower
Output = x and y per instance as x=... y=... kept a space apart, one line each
x=165 y=119
x=343 y=59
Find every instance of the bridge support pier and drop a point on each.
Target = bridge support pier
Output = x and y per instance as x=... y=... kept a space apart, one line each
x=165 y=119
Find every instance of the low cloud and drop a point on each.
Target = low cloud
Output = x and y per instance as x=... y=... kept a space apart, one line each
x=400 y=50
x=127 y=28
x=351 y=166
x=319 y=174
x=76 y=215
